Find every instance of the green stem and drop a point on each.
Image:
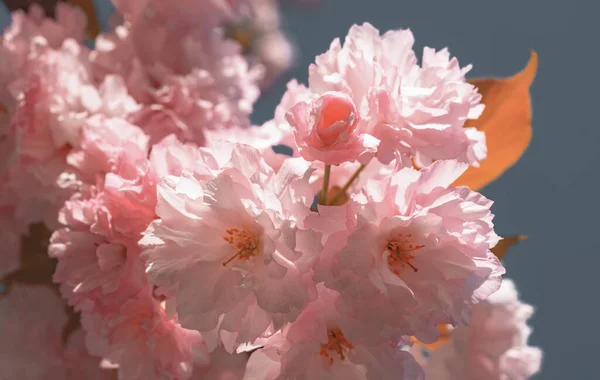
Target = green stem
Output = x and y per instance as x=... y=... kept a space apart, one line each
x=325 y=184
x=348 y=184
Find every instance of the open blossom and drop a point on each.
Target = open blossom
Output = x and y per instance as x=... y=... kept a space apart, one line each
x=69 y=23
x=323 y=344
x=425 y=113
x=43 y=112
x=228 y=249
x=149 y=345
x=494 y=345
x=99 y=268
x=417 y=243
x=416 y=111
x=51 y=102
x=326 y=130
x=103 y=142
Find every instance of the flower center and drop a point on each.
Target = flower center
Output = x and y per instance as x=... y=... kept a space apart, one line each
x=336 y=343
x=400 y=255
x=245 y=242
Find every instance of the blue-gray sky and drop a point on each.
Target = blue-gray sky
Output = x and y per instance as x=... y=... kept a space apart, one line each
x=551 y=194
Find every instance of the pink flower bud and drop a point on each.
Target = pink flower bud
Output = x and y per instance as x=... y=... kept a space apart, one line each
x=326 y=129
x=335 y=118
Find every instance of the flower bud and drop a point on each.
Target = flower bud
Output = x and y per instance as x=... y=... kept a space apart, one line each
x=326 y=129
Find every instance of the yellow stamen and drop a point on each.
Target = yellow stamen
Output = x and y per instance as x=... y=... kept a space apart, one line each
x=244 y=241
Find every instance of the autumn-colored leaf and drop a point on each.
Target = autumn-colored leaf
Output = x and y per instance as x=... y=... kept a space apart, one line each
x=503 y=245
x=506 y=122
x=93 y=25
x=444 y=337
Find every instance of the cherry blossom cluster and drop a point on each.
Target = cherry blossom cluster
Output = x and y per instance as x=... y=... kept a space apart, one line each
x=328 y=243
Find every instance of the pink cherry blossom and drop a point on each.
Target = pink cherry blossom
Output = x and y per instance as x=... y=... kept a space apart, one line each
x=326 y=130
x=69 y=23
x=102 y=145
x=415 y=111
x=99 y=268
x=55 y=93
x=361 y=62
x=226 y=246
x=420 y=244
x=425 y=112
x=123 y=321
x=48 y=103
x=494 y=345
x=324 y=344
x=29 y=193
x=148 y=345
x=171 y=60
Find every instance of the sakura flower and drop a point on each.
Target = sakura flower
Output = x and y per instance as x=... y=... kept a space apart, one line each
x=361 y=62
x=69 y=23
x=103 y=142
x=29 y=193
x=417 y=112
x=493 y=346
x=99 y=268
x=99 y=247
x=323 y=344
x=426 y=113
x=148 y=345
x=55 y=93
x=225 y=246
x=51 y=100
x=170 y=21
x=188 y=68
x=87 y=261
x=420 y=244
x=326 y=130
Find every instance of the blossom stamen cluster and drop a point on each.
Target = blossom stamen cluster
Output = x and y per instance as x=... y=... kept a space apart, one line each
x=400 y=253
x=245 y=241
x=337 y=343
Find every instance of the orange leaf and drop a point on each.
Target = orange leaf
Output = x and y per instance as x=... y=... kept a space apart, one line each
x=93 y=26
x=506 y=122
x=503 y=245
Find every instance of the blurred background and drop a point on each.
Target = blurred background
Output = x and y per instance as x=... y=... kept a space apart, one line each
x=551 y=195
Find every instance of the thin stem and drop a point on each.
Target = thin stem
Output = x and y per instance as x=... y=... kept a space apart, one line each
x=325 y=184
x=341 y=193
